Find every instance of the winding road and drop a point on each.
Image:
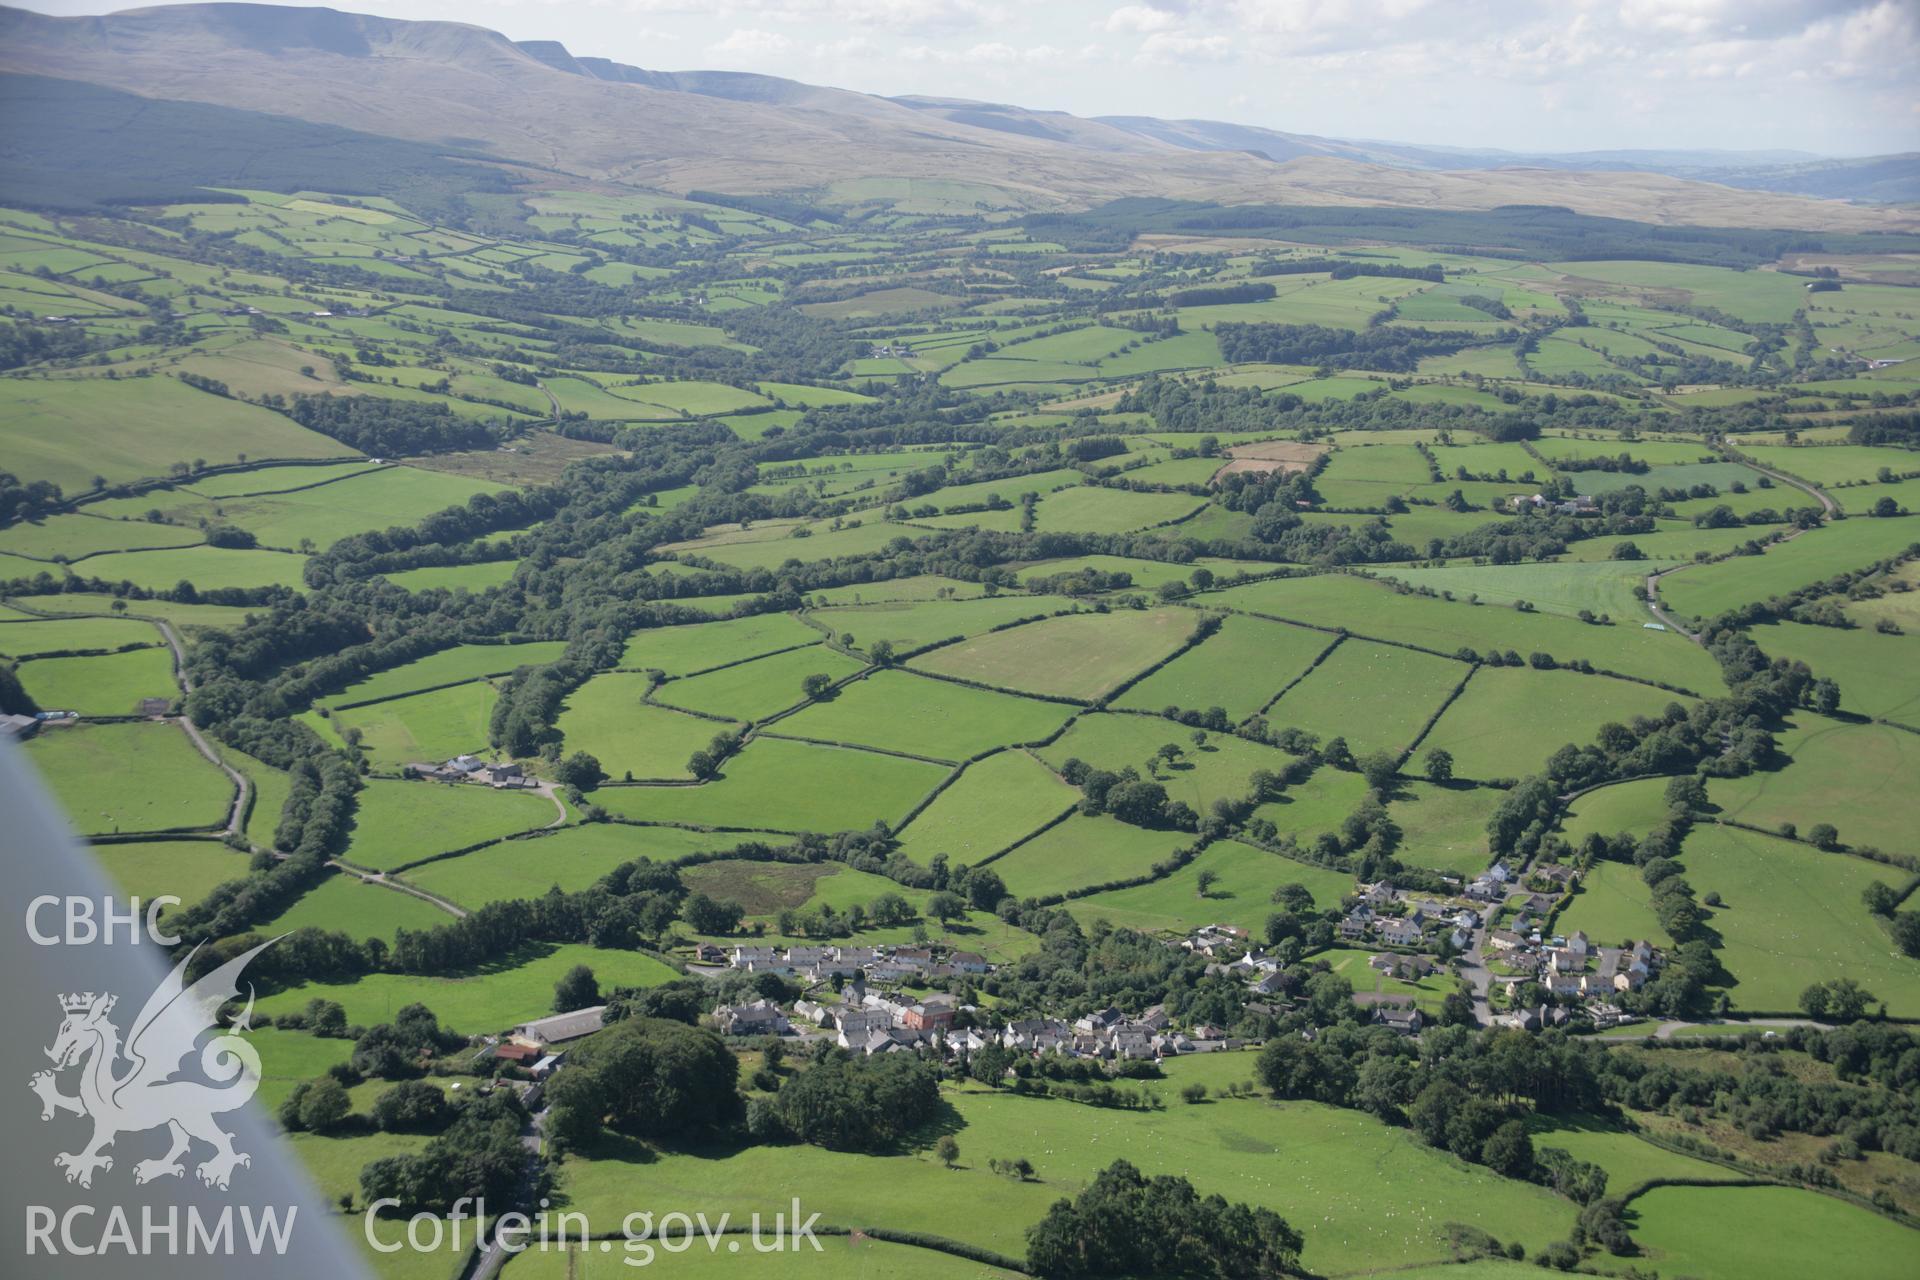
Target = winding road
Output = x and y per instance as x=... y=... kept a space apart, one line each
x=1828 y=507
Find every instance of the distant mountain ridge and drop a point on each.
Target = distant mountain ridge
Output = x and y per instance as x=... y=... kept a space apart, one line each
x=538 y=105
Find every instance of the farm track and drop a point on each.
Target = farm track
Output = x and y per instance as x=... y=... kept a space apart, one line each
x=1828 y=508
x=236 y=815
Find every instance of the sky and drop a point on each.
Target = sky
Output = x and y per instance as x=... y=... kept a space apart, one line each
x=1837 y=77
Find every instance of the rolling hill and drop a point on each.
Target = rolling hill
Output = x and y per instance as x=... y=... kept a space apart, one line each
x=442 y=84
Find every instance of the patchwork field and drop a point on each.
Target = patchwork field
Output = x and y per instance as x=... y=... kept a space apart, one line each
x=1082 y=852
x=757 y=689
x=1083 y=656
x=1373 y=609
x=1508 y=720
x=1241 y=668
x=777 y=785
x=1241 y=895
x=1791 y=916
x=900 y=711
x=184 y=869
x=1376 y=696
x=681 y=651
x=396 y=823
x=1707 y=590
x=570 y=857
x=1854 y=776
x=107 y=685
x=130 y=777
x=978 y=463
x=518 y=987
x=607 y=718
x=995 y=802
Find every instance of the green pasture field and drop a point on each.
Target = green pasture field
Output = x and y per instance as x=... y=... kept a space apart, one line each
x=448 y=666
x=73 y=537
x=139 y=776
x=908 y=625
x=400 y=822
x=1176 y=471
x=70 y=430
x=1376 y=696
x=579 y=395
x=1080 y=656
x=900 y=711
x=1856 y=776
x=1242 y=895
x=1721 y=475
x=1898 y=602
x=1705 y=591
x=1670 y=541
x=681 y=650
x=1791 y=915
x=571 y=857
x=1399 y=466
x=803 y=394
x=995 y=802
x=111 y=684
x=323 y=513
x=1750 y=295
x=456 y=577
x=259 y=480
x=756 y=689
x=1221 y=769
x=187 y=617
x=423 y=727
x=207 y=568
x=699 y=399
x=1737 y=1233
x=289 y=1057
x=880 y=302
x=1630 y=1160
x=346 y=904
x=1613 y=907
x=1082 y=852
x=1835 y=464
x=1635 y=808
x=1373 y=609
x=774 y=551
x=1372 y=1196
x=779 y=785
x=923 y=586
x=1614 y=588
x=1241 y=668
x=186 y=869
x=607 y=719
x=1087 y=509
x=24 y=639
x=1879 y=675
x=1510 y=719
x=1444 y=828
x=1664 y=453
x=517 y=987
x=1318 y=804
x=1146 y=574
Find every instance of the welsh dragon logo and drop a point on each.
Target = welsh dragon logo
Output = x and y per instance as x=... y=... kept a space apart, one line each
x=131 y=1087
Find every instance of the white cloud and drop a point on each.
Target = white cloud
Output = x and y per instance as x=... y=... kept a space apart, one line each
x=1140 y=19
x=751 y=42
x=1182 y=46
